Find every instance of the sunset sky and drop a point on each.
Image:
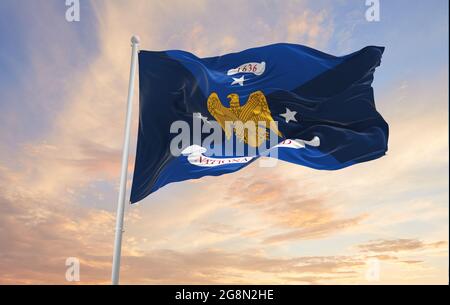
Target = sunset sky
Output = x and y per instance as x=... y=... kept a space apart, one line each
x=63 y=88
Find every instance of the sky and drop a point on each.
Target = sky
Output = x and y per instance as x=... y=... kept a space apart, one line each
x=63 y=88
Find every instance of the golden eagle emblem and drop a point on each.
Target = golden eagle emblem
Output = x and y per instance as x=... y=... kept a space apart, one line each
x=255 y=111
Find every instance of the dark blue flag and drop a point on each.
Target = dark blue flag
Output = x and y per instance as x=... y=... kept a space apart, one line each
x=318 y=111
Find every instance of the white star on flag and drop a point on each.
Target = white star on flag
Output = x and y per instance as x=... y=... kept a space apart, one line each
x=239 y=80
x=289 y=115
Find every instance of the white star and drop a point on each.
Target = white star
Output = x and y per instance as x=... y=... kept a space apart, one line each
x=289 y=115
x=239 y=80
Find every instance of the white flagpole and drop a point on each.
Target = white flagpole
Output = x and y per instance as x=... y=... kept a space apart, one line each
x=124 y=170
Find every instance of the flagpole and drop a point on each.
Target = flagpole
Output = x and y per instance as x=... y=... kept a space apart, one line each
x=124 y=169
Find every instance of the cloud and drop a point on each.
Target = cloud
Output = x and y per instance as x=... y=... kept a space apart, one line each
x=398 y=245
x=312 y=28
x=36 y=240
x=315 y=232
x=213 y=266
x=278 y=200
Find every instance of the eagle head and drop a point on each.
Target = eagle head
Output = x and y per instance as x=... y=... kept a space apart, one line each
x=234 y=101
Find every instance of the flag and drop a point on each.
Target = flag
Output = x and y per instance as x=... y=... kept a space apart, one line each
x=308 y=108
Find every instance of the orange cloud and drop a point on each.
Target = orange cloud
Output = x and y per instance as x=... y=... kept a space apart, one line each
x=397 y=245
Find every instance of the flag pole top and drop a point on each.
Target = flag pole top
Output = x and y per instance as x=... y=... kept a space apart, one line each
x=135 y=39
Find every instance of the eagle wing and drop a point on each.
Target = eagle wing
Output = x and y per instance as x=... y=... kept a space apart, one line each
x=257 y=110
x=221 y=113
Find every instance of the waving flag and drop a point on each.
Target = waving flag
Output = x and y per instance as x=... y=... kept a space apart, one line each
x=317 y=110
